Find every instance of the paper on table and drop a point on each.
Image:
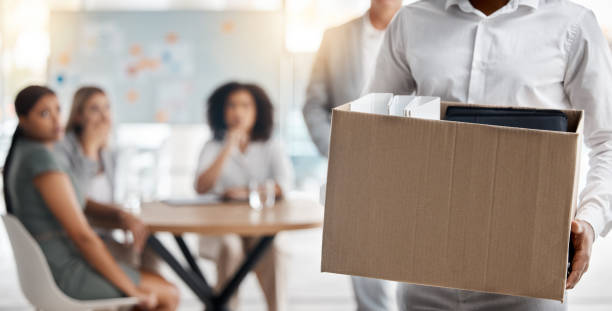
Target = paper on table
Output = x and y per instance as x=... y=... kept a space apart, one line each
x=198 y=200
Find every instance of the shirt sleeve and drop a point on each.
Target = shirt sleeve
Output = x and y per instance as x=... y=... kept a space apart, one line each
x=316 y=110
x=207 y=157
x=40 y=161
x=588 y=84
x=282 y=170
x=81 y=167
x=392 y=73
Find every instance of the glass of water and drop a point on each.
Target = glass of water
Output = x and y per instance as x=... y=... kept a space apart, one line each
x=269 y=187
x=254 y=196
x=262 y=194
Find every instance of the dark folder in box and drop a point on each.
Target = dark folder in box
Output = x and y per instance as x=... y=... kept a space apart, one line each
x=551 y=120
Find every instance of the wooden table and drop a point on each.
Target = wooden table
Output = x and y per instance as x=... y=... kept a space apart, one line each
x=224 y=218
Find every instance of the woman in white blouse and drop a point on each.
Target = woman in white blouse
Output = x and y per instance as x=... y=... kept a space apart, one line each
x=538 y=53
x=241 y=152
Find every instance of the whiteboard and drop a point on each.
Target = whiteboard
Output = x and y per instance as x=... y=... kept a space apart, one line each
x=159 y=67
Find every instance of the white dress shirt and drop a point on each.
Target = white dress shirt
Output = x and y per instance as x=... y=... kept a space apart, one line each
x=261 y=161
x=537 y=53
x=371 y=40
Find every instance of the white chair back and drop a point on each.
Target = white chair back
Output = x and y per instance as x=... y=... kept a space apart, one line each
x=35 y=277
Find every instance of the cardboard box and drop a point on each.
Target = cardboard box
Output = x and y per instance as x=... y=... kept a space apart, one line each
x=450 y=204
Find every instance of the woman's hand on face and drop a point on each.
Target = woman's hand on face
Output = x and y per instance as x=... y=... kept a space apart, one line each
x=95 y=135
x=138 y=229
x=238 y=194
x=236 y=137
x=105 y=129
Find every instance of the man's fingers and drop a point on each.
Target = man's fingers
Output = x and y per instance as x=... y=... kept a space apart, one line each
x=579 y=266
x=582 y=237
x=577 y=227
x=581 y=262
x=575 y=275
x=573 y=279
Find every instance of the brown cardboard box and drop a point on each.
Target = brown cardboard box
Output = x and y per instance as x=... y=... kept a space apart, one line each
x=450 y=204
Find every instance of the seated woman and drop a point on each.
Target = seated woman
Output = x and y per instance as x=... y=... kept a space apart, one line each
x=48 y=201
x=241 y=151
x=86 y=152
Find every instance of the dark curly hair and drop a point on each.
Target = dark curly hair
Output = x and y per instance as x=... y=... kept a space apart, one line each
x=264 y=119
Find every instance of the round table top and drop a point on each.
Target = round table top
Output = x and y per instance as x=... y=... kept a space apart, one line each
x=237 y=218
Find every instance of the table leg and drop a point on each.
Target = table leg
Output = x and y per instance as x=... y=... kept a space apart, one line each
x=198 y=285
x=189 y=257
x=195 y=278
x=248 y=264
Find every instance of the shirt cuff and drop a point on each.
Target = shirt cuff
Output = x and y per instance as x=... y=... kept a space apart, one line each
x=593 y=216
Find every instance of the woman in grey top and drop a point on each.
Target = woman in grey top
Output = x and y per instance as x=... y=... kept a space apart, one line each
x=86 y=152
x=40 y=192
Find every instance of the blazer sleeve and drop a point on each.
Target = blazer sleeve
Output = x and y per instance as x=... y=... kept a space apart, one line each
x=317 y=109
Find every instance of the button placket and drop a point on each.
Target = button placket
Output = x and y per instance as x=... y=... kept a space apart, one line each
x=477 y=68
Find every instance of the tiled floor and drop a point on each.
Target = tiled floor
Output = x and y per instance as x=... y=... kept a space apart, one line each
x=311 y=290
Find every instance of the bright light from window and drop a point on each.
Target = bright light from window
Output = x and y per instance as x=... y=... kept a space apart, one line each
x=307 y=20
x=26 y=35
x=160 y=5
x=32 y=50
x=27 y=15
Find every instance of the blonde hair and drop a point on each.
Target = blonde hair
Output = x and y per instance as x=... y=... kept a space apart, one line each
x=81 y=97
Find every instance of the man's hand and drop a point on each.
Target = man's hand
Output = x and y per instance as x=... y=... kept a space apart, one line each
x=581 y=237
